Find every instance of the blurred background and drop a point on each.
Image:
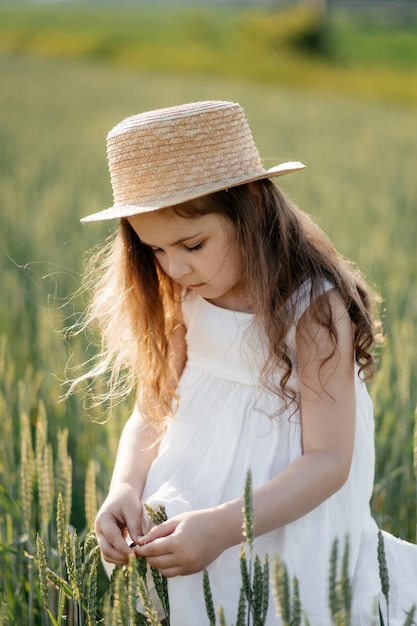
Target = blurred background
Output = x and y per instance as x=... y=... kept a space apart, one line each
x=332 y=84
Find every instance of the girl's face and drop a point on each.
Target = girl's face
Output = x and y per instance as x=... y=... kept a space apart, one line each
x=199 y=253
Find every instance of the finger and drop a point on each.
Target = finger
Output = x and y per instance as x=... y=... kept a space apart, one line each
x=157 y=547
x=111 y=554
x=112 y=540
x=135 y=530
x=163 y=562
x=162 y=530
x=176 y=570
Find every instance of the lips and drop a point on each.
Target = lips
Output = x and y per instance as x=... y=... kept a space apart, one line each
x=194 y=286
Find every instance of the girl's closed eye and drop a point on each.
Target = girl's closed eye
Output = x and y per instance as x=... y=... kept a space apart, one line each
x=197 y=246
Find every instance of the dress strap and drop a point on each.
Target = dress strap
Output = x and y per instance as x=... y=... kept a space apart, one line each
x=301 y=298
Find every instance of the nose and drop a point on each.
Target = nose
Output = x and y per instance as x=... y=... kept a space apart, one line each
x=178 y=267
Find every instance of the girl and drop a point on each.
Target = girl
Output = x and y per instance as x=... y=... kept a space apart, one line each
x=247 y=339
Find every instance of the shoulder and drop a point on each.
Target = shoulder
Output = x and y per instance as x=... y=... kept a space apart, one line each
x=324 y=335
x=323 y=307
x=327 y=381
x=307 y=296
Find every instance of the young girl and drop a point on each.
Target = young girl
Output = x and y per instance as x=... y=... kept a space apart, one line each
x=248 y=340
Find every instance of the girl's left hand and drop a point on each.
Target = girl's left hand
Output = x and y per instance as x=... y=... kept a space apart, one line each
x=185 y=544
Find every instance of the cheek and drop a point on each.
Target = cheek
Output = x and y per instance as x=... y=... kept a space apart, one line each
x=161 y=263
x=226 y=267
x=234 y=262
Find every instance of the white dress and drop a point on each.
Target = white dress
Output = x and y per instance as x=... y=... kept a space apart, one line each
x=222 y=429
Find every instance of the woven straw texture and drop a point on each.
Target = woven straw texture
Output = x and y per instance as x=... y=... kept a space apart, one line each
x=168 y=156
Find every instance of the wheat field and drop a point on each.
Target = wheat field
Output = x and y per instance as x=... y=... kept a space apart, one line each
x=359 y=184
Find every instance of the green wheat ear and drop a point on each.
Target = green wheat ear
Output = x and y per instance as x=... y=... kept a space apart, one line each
x=161 y=588
x=260 y=593
x=131 y=588
x=27 y=471
x=142 y=567
x=78 y=562
x=222 y=619
x=296 y=603
x=161 y=584
x=241 y=609
x=409 y=620
x=120 y=612
x=90 y=497
x=63 y=473
x=72 y=561
x=287 y=600
x=254 y=591
x=346 y=587
x=248 y=523
x=282 y=591
x=42 y=566
x=60 y=524
x=245 y=574
x=334 y=600
x=383 y=567
x=150 y=611
x=93 y=559
x=340 y=591
x=91 y=551
x=44 y=470
x=208 y=599
x=156 y=516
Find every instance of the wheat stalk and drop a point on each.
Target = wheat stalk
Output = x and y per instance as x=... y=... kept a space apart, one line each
x=132 y=586
x=248 y=522
x=296 y=603
x=282 y=591
x=260 y=591
x=60 y=525
x=90 y=497
x=222 y=619
x=345 y=583
x=42 y=566
x=241 y=609
x=27 y=471
x=334 y=600
x=409 y=620
x=120 y=613
x=71 y=564
x=44 y=470
x=383 y=570
x=150 y=611
x=64 y=472
x=92 y=590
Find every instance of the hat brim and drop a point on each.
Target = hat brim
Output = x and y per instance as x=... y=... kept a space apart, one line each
x=128 y=210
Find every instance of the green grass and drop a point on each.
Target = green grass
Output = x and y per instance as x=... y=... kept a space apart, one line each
x=360 y=185
x=292 y=46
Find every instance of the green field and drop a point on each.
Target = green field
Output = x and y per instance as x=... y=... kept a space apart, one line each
x=375 y=56
x=360 y=148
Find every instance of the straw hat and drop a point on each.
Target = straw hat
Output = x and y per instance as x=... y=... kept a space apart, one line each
x=168 y=156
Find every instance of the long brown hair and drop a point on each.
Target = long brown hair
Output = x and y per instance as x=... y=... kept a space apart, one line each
x=134 y=302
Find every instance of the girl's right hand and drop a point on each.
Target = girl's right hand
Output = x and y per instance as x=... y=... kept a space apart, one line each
x=119 y=516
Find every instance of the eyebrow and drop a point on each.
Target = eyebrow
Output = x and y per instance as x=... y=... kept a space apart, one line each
x=175 y=243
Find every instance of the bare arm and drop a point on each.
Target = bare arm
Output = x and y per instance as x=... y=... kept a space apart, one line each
x=121 y=511
x=328 y=426
x=190 y=542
